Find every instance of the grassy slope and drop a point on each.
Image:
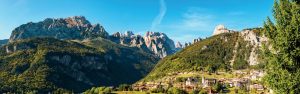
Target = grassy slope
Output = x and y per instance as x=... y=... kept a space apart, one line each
x=214 y=52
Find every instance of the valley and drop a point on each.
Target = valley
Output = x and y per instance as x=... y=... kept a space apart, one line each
x=196 y=47
x=227 y=62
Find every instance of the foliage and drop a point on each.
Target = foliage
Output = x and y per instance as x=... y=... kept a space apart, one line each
x=202 y=91
x=256 y=30
x=180 y=79
x=194 y=92
x=211 y=69
x=99 y=90
x=243 y=53
x=159 y=89
x=211 y=55
x=124 y=87
x=283 y=72
x=217 y=87
x=174 y=90
x=49 y=65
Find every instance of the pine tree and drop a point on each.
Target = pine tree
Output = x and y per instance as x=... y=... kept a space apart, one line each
x=283 y=71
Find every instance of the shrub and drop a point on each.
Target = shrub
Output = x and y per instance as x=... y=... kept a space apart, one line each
x=174 y=90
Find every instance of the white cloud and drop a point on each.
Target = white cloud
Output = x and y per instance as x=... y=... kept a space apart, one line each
x=160 y=16
x=193 y=20
x=194 y=23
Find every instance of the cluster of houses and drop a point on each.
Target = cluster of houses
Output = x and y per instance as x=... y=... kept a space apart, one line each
x=192 y=83
x=256 y=75
x=234 y=82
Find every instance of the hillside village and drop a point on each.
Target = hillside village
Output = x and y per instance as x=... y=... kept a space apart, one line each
x=189 y=81
x=258 y=53
x=232 y=81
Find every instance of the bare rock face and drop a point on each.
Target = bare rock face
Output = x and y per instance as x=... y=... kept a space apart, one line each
x=179 y=45
x=221 y=29
x=155 y=42
x=76 y=27
x=256 y=41
x=129 y=39
x=159 y=43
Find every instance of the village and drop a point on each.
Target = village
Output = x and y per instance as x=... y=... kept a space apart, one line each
x=189 y=81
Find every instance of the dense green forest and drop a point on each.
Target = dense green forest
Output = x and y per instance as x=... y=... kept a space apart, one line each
x=51 y=65
x=283 y=72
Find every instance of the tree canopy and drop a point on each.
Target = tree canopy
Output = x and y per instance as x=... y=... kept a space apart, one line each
x=283 y=72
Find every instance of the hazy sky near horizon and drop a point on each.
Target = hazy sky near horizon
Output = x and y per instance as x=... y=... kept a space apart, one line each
x=181 y=20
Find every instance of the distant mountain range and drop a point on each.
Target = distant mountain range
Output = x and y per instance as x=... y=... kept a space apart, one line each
x=78 y=28
x=71 y=54
x=3 y=42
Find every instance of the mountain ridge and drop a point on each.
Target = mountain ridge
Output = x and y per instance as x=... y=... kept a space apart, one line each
x=79 y=28
x=76 y=27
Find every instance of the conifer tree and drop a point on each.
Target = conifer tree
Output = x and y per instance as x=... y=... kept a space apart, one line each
x=283 y=70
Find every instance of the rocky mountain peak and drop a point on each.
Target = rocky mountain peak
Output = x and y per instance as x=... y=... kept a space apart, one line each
x=117 y=34
x=76 y=27
x=129 y=39
x=159 y=43
x=128 y=34
x=155 y=34
x=221 y=29
x=79 y=28
x=178 y=45
x=155 y=42
x=77 y=21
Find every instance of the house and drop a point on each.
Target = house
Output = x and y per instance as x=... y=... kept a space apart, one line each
x=191 y=81
x=256 y=75
x=140 y=87
x=208 y=82
x=240 y=82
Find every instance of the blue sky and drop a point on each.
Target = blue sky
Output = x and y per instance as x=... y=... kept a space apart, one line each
x=181 y=20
